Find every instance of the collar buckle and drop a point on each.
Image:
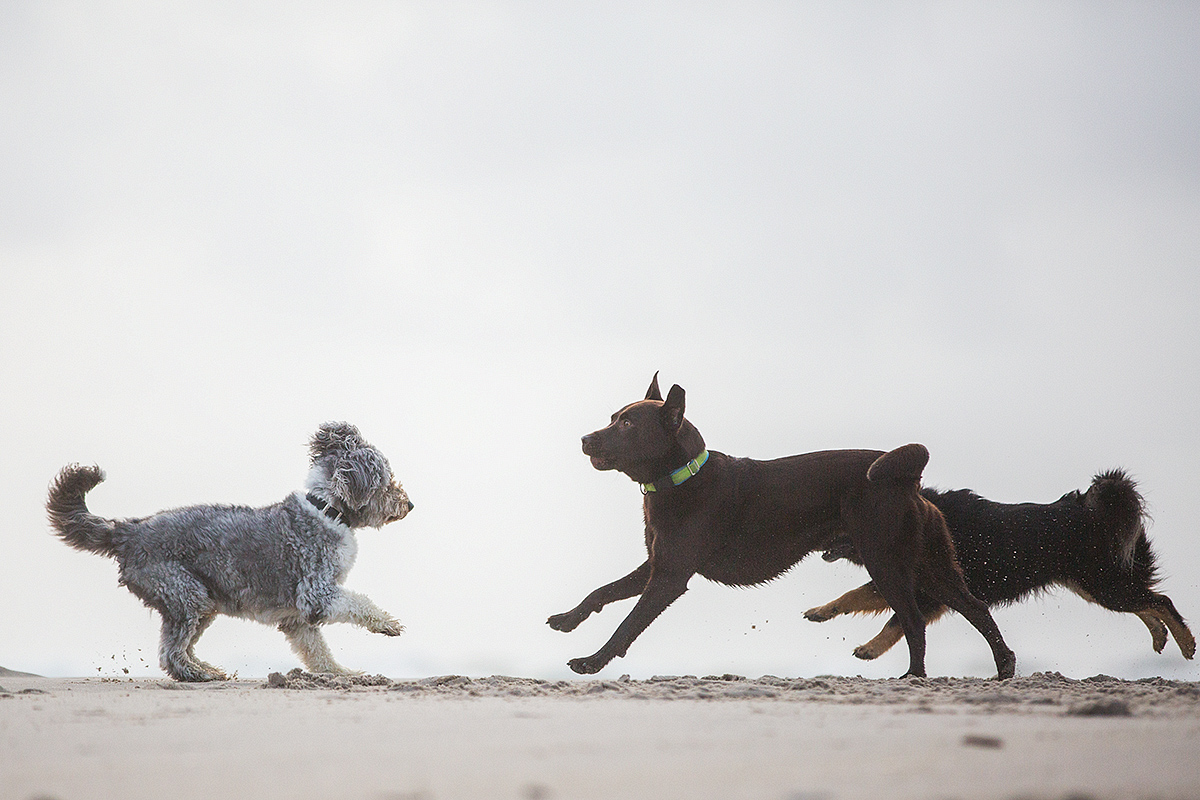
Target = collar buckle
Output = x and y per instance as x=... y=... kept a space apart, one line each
x=676 y=477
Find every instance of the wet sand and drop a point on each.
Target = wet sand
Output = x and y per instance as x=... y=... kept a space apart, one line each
x=314 y=736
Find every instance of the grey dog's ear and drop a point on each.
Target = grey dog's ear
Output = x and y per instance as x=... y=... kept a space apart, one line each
x=653 y=392
x=672 y=409
x=356 y=475
x=332 y=437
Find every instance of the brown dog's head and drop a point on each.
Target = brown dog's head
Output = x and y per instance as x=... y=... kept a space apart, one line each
x=647 y=439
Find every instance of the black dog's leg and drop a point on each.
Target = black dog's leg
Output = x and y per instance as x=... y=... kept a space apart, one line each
x=630 y=586
x=1158 y=631
x=891 y=633
x=1123 y=595
x=1164 y=609
x=866 y=599
x=661 y=591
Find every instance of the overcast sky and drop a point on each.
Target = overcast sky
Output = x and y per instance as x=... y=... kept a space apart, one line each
x=475 y=230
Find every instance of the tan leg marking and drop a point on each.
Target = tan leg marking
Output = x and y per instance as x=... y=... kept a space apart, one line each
x=888 y=636
x=1158 y=631
x=883 y=641
x=1183 y=636
x=866 y=599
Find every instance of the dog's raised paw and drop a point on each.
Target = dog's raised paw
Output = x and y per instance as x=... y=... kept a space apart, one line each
x=820 y=614
x=391 y=628
x=565 y=622
x=865 y=652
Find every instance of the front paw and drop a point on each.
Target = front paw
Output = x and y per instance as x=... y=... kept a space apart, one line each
x=867 y=652
x=566 y=622
x=821 y=613
x=391 y=627
x=589 y=665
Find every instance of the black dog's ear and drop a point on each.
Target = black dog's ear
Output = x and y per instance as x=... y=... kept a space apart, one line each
x=672 y=409
x=653 y=393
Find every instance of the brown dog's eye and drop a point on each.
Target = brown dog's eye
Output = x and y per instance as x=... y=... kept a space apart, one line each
x=626 y=423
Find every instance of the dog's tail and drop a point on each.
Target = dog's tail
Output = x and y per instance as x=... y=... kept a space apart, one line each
x=902 y=464
x=69 y=514
x=1114 y=495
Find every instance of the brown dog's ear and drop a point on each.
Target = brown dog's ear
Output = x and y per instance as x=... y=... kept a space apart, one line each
x=653 y=393
x=672 y=409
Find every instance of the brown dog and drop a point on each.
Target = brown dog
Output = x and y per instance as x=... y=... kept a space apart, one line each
x=742 y=522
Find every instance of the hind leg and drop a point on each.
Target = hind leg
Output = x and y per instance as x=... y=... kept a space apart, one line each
x=1154 y=609
x=956 y=595
x=1164 y=609
x=310 y=646
x=886 y=540
x=173 y=651
x=898 y=591
x=1158 y=631
x=943 y=582
x=186 y=610
x=191 y=649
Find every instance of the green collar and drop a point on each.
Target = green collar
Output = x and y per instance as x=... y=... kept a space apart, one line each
x=678 y=476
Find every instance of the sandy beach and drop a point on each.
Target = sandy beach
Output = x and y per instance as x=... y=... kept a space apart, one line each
x=311 y=736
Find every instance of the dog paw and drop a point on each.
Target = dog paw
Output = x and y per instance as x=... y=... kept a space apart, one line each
x=565 y=622
x=587 y=666
x=866 y=652
x=391 y=627
x=200 y=676
x=821 y=614
x=1006 y=666
x=1188 y=648
x=348 y=673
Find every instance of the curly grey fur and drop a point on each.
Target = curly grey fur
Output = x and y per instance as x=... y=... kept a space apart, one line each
x=282 y=565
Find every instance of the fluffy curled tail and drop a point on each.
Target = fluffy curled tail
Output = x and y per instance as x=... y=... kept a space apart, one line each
x=1114 y=495
x=904 y=463
x=69 y=514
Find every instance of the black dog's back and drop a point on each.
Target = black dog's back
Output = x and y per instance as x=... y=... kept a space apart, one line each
x=1094 y=540
x=1093 y=543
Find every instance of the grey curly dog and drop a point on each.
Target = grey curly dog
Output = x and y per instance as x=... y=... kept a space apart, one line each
x=281 y=565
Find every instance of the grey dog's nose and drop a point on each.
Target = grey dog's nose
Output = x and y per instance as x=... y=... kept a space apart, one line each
x=411 y=505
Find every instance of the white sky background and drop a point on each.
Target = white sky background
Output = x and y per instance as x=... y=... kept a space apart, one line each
x=475 y=230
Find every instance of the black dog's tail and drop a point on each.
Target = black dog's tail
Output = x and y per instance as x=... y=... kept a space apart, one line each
x=69 y=514
x=903 y=464
x=1114 y=495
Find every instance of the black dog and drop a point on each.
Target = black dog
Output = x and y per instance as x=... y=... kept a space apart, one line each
x=1093 y=543
x=742 y=522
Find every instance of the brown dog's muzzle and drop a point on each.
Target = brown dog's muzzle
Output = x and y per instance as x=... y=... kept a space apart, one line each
x=593 y=449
